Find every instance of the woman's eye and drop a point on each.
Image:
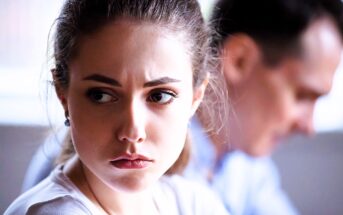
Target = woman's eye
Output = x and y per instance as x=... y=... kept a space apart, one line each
x=161 y=97
x=99 y=96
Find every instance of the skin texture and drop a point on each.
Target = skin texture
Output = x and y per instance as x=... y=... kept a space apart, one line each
x=142 y=107
x=272 y=102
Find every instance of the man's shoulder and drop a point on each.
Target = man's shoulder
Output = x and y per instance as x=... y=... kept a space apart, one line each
x=240 y=161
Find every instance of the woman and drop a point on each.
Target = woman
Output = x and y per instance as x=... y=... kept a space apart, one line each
x=129 y=75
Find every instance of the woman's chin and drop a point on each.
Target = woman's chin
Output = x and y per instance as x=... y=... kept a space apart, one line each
x=132 y=184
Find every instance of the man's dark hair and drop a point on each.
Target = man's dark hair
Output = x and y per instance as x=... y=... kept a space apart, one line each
x=274 y=24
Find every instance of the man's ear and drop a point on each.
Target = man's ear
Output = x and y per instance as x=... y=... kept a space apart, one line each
x=240 y=55
x=60 y=91
x=199 y=93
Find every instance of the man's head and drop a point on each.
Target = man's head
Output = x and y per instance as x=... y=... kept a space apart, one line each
x=278 y=57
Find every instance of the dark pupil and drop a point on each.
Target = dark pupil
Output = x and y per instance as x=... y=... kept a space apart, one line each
x=97 y=96
x=156 y=97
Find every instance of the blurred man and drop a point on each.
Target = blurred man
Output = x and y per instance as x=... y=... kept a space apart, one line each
x=278 y=57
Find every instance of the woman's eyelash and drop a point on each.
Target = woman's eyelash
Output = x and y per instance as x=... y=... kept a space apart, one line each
x=161 y=96
x=169 y=92
x=101 y=96
x=156 y=96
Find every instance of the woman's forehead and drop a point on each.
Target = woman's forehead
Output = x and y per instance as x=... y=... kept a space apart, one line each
x=133 y=48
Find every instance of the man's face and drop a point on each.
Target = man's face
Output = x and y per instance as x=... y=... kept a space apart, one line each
x=274 y=102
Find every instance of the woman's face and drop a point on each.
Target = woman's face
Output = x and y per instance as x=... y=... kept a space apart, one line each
x=130 y=98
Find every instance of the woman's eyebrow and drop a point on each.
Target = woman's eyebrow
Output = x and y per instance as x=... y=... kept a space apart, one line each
x=113 y=82
x=160 y=81
x=103 y=79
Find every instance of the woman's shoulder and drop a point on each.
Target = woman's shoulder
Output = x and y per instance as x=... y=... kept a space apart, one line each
x=56 y=206
x=189 y=197
x=54 y=195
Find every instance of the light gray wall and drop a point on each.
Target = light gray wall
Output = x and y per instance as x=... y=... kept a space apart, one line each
x=17 y=145
x=312 y=173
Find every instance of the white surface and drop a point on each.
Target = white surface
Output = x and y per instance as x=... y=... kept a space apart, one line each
x=27 y=100
x=328 y=113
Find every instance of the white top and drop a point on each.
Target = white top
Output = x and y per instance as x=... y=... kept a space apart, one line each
x=58 y=195
x=247 y=185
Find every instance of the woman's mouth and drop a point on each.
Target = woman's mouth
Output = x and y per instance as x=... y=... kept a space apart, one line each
x=132 y=161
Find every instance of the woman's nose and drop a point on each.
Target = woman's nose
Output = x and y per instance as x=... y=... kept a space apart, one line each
x=132 y=128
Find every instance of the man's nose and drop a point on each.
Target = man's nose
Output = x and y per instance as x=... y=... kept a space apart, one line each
x=304 y=121
x=132 y=128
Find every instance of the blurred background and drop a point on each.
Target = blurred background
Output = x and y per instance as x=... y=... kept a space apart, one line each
x=311 y=169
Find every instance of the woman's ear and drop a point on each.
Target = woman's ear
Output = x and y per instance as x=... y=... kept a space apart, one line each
x=60 y=91
x=240 y=54
x=199 y=93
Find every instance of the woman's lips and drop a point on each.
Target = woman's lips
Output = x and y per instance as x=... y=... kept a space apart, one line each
x=133 y=161
x=131 y=164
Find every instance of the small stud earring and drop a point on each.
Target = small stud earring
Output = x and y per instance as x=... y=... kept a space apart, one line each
x=67 y=121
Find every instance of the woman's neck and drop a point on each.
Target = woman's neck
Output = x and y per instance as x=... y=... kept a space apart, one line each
x=107 y=200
